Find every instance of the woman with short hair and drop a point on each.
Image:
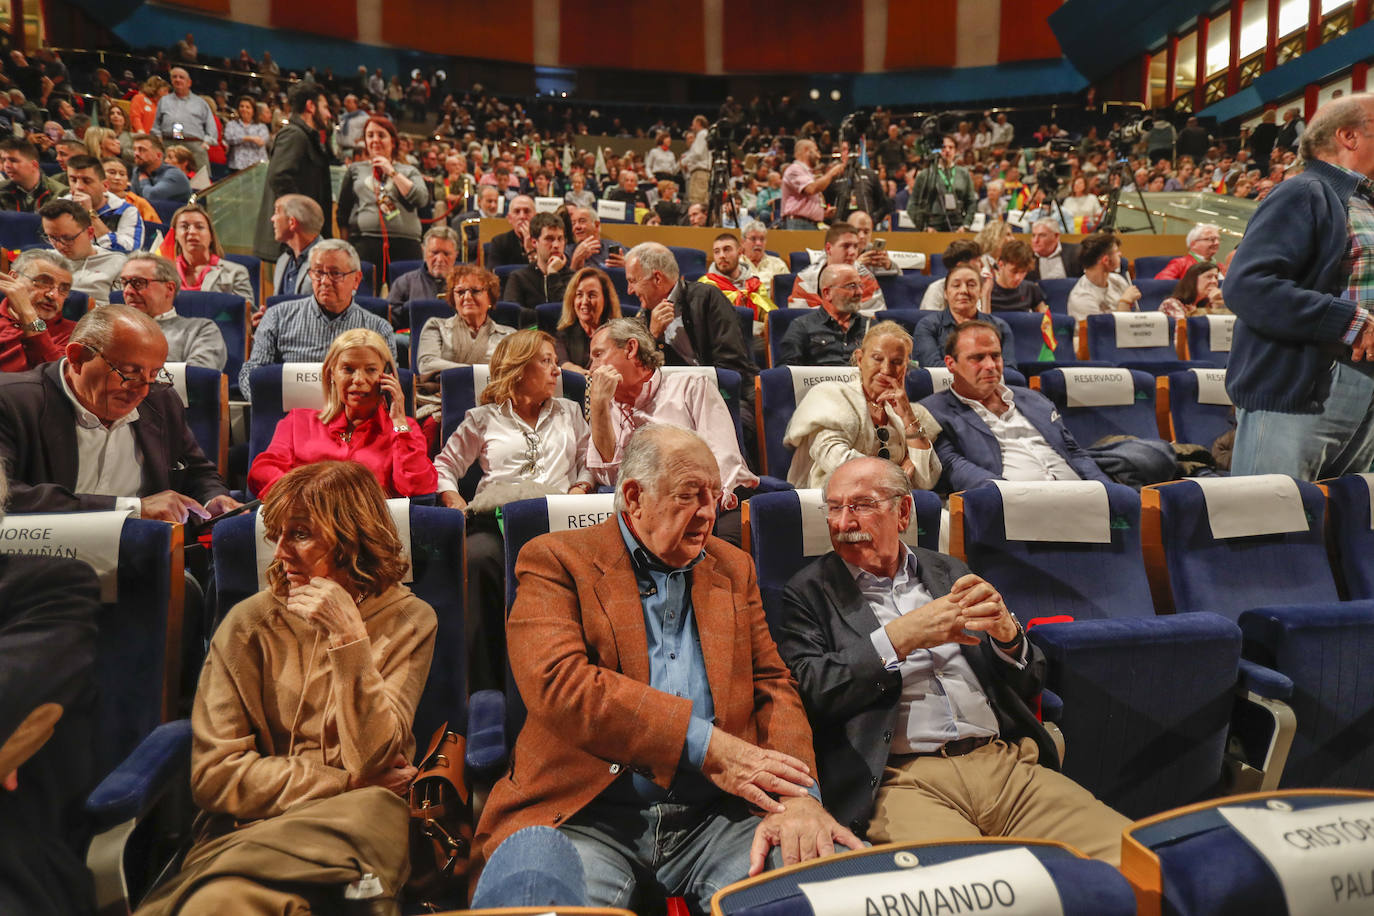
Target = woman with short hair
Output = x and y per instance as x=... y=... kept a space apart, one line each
x=302 y=724
x=867 y=417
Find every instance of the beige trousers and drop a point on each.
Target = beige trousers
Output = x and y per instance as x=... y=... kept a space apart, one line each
x=998 y=790
x=296 y=862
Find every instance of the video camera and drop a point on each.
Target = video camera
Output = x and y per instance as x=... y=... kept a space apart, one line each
x=1049 y=176
x=1133 y=131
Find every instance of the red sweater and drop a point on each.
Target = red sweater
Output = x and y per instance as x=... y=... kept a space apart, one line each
x=400 y=461
x=18 y=352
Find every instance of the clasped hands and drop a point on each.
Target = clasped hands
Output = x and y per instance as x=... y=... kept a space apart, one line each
x=971 y=605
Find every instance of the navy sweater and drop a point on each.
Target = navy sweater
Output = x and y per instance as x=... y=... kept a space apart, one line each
x=1287 y=287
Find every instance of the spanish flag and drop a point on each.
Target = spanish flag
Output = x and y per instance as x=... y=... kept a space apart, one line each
x=1047 y=342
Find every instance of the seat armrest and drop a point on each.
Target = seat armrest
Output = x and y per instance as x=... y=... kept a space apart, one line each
x=488 y=748
x=1264 y=682
x=143 y=777
x=1051 y=706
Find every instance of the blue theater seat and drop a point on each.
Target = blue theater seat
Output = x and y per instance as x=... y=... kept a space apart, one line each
x=1131 y=414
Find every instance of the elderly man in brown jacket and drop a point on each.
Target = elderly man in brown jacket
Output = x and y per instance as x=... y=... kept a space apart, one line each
x=665 y=736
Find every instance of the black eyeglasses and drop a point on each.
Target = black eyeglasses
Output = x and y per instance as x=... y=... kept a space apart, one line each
x=883 y=434
x=161 y=380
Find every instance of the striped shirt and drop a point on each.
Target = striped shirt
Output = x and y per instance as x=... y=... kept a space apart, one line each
x=124 y=222
x=300 y=331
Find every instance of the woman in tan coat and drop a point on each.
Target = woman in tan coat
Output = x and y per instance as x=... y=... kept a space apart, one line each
x=302 y=720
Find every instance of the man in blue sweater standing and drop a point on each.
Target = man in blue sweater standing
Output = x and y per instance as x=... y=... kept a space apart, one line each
x=1301 y=372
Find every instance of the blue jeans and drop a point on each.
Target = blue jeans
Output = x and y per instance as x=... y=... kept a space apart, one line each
x=537 y=866
x=1337 y=441
x=668 y=850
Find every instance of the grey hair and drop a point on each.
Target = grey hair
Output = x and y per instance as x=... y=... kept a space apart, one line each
x=444 y=233
x=654 y=256
x=646 y=457
x=164 y=271
x=327 y=245
x=623 y=330
x=304 y=210
x=752 y=227
x=29 y=255
x=1197 y=230
x=1347 y=112
x=891 y=479
x=1053 y=224
x=96 y=329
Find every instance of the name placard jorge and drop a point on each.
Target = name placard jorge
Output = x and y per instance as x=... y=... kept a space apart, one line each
x=1323 y=857
x=1009 y=881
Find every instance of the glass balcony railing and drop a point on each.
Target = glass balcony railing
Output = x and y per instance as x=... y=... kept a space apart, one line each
x=234 y=203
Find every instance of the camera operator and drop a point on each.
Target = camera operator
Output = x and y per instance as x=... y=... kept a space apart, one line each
x=943 y=198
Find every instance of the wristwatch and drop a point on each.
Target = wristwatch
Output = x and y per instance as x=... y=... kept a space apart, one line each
x=1014 y=641
x=37 y=326
x=400 y=427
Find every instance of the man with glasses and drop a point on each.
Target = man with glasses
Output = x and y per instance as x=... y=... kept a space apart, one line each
x=829 y=335
x=990 y=431
x=920 y=686
x=149 y=282
x=32 y=327
x=103 y=429
x=67 y=228
x=301 y=330
x=843 y=244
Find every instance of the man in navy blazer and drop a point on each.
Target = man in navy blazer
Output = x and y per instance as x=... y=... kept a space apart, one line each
x=103 y=429
x=990 y=431
x=919 y=684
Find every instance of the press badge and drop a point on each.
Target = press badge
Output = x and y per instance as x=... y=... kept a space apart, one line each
x=950 y=202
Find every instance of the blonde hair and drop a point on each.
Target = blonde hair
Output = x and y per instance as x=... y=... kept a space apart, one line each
x=358 y=338
x=880 y=330
x=509 y=361
x=347 y=509
x=215 y=248
x=992 y=236
x=94 y=137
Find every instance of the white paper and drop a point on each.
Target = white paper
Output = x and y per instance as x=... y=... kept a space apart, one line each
x=400 y=517
x=300 y=386
x=1321 y=856
x=610 y=209
x=904 y=220
x=1211 y=386
x=91 y=537
x=1219 y=331
x=1141 y=329
x=1072 y=511
x=1247 y=506
x=804 y=378
x=1098 y=387
x=1008 y=881
x=816 y=529
x=547 y=204
x=907 y=260
x=940 y=378
x=569 y=511
x=178 y=373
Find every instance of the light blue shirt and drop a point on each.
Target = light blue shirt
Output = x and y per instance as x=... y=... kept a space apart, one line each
x=941 y=699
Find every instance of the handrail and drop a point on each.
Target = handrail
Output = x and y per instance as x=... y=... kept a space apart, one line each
x=241 y=174
x=101 y=53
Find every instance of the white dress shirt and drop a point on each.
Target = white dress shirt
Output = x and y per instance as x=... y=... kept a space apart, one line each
x=108 y=462
x=1025 y=453
x=1052 y=266
x=553 y=452
x=941 y=699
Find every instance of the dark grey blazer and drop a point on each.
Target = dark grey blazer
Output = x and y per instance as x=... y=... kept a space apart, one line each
x=38 y=446
x=851 y=699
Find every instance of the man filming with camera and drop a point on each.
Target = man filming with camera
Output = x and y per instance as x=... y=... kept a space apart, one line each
x=943 y=198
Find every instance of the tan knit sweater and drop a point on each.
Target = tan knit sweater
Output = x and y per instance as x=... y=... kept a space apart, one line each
x=280 y=718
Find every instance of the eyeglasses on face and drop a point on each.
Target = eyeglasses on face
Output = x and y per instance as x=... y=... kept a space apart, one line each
x=54 y=239
x=137 y=284
x=333 y=276
x=860 y=507
x=43 y=283
x=131 y=377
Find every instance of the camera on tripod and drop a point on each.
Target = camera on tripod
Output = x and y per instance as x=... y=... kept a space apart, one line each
x=1049 y=176
x=720 y=135
x=1132 y=131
